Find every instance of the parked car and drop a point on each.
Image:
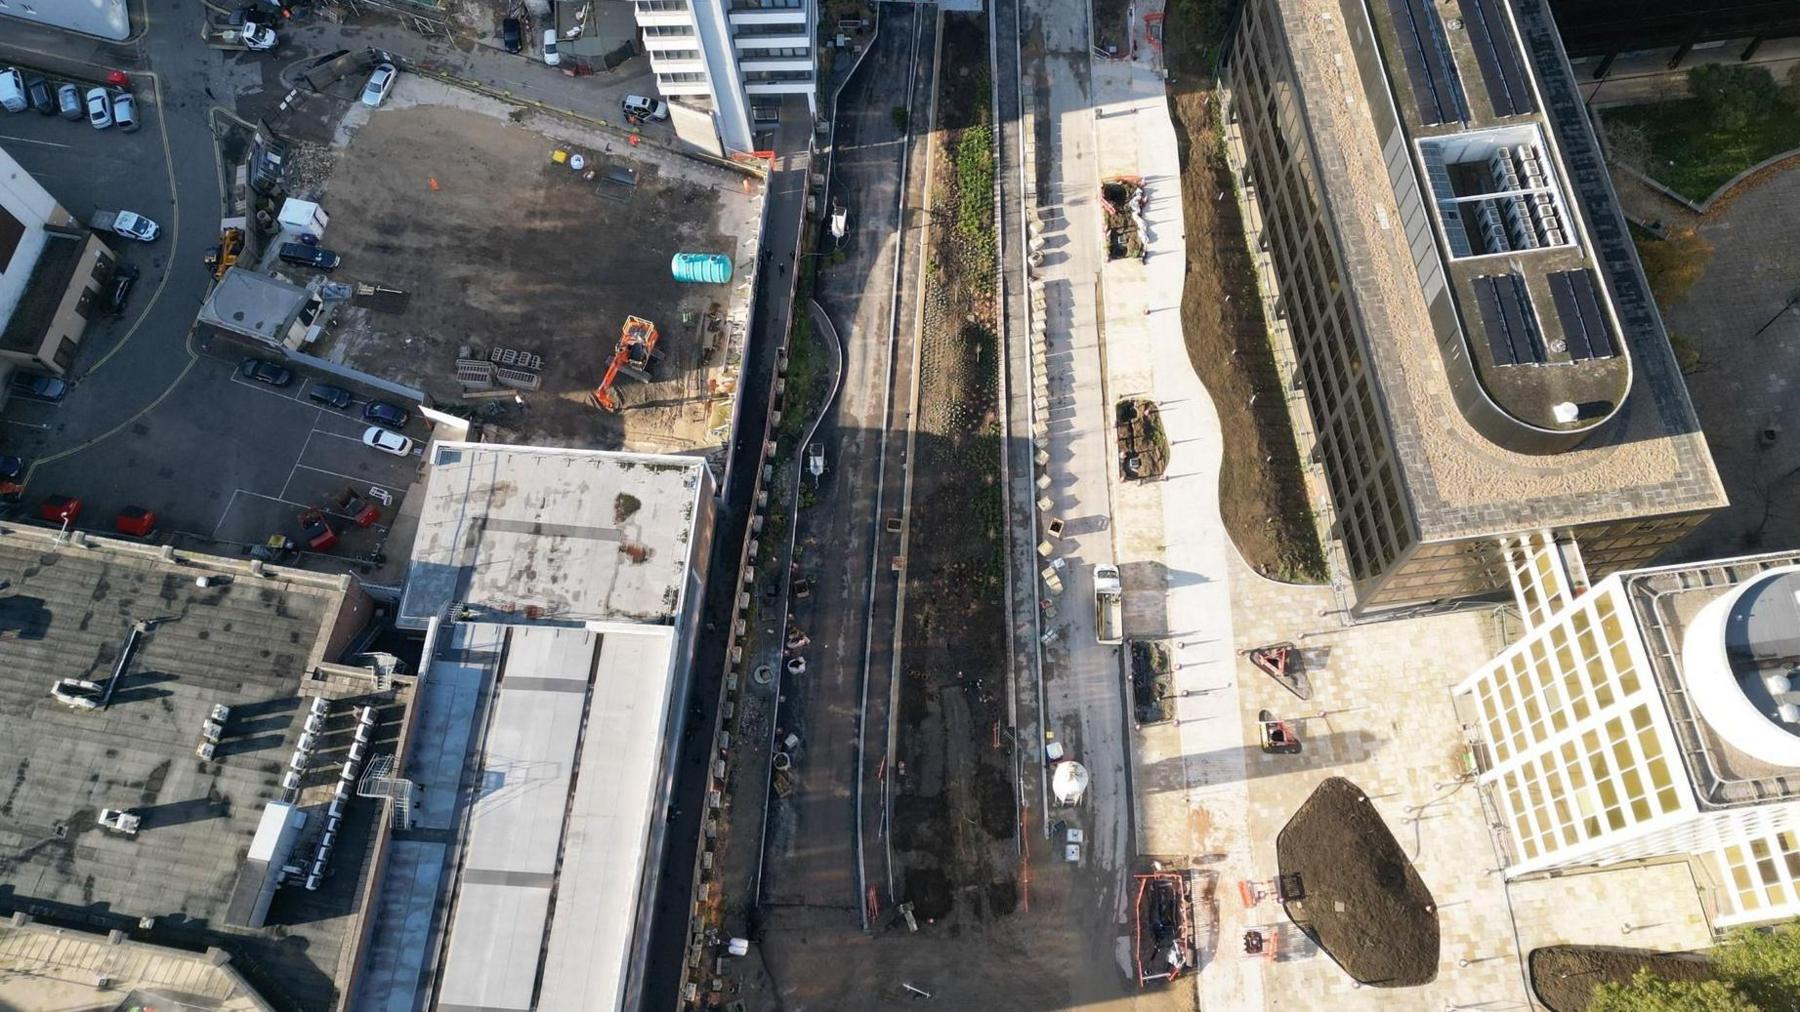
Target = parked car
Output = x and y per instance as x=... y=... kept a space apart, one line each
x=38 y=91
x=123 y=278
x=12 y=90
x=68 y=98
x=258 y=38
x=380 y=83
x=642 y=108
x=129 y=224
x=11 y=468
x=386 y=441
x=551 y=56
x=99 y=108
x=510 y=35
x=125 y=111
x=39 y=386
x=263 y=371
x=328 y=395
x=301 y=255
x=390 y=415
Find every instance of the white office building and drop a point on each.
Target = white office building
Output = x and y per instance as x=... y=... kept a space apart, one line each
x=1653 y=716
x=734 y=58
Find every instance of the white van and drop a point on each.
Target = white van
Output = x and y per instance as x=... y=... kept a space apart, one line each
x=12 y=90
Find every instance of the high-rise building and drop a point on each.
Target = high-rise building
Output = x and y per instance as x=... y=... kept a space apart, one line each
x=1654 y=716
x=735 y=57
x=1478 y=349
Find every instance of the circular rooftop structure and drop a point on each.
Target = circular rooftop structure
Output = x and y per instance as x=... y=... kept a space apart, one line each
x=1741 y=662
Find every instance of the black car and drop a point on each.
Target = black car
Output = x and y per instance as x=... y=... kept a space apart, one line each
x=265 y=372
x=510 y=36
x=328 y=395
x=302 y=255
x=383 y=413
x=42 y=98
x=122 y=280
x=35 y=384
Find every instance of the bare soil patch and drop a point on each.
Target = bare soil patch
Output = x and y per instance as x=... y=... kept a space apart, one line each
x=1564 y=976
x=954 y=811
x=1362 y=902
x=1112 y=32
x=1261 y=492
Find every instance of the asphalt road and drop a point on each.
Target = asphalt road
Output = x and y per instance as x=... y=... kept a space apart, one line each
x=813 y=860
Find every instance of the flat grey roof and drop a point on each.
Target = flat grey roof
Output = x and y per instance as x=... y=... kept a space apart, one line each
x=246 y=642
x=517 y=533
x=558 y=836
x=252 y=304
x=1650 y=460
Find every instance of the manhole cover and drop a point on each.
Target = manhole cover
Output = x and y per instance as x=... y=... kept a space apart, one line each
x=762 y=674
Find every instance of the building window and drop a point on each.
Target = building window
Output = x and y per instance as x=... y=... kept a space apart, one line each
x=674 y=54
x=655 y=6
x=681 y=78
x=667 y=31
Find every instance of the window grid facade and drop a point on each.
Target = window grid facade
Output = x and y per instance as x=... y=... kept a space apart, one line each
x=1579 y=741
x=1758 y=875
x=1540 y=582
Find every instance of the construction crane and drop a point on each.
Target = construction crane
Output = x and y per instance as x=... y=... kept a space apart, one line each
x=637 y=347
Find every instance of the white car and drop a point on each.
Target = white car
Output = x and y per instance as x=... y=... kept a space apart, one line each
x=259 y=38
x=387 y=441
x=551 y=56
x=652 y=109
x=380 y=83
x=99 y=108
x=133 y=225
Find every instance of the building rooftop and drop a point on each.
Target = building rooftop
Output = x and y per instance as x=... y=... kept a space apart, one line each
x=512 y=532
x=1715 y=632
x=43 y=967
x=1484 y=446
x=254 y=305
x=250 y=642
x=547 y=897
x=44 y=291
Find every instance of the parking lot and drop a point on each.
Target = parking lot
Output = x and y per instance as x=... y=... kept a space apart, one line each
x=228 y=462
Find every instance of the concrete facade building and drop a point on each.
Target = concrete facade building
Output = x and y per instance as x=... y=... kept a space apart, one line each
x=560 y=592
x=1477 y=346
x=52 y=274
x=1655 y=717
x=737 y=58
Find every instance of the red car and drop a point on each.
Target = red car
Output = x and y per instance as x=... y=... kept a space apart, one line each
x=135 y=521
x=60 y=509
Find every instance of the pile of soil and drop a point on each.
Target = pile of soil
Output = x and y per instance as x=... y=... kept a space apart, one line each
x=1262 y=496
x=1123 y=240
x=1152 y=690
x=1143 y=446
x=1563 y=977
x=1361 y=900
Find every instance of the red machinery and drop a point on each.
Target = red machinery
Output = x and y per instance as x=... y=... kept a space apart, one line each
x=356 y=508
x=136 y=521
x=317 y=531
x=60 y=509
x=637 y=345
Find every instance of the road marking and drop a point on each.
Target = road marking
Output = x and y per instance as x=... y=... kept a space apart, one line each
x=225 y=513
x=25 y=425
x=28 y=140
x=115 y=430
x=338 y=435
x=337 y=474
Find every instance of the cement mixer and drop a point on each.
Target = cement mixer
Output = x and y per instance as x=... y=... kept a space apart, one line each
x=1069 y=782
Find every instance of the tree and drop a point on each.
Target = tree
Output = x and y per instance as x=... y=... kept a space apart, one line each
x=1674 y=263
x=1790 y=92
x=1649 y=993
x=1764 y=966
x=1732 y=94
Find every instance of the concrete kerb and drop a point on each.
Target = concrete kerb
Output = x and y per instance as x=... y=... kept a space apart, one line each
x=1717 y=195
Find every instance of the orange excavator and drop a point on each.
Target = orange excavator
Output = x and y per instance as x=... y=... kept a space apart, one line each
x=637 y=346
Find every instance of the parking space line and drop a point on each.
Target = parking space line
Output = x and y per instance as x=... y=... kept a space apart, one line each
x=338 y=474
x=13 y=138
x=347 y=520
x=338 y=435
x=25 y=425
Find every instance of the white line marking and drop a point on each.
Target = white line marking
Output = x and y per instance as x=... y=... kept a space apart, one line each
x=28 y=140
x=336 y=474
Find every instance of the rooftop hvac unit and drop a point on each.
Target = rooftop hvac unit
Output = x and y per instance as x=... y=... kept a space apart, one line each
x=297 y=761
x=357 y=751
x=312 y=882
x=308 y=742
x=362 y=733
x=314 y=724
x=320 y=707
x=323 y=854
x=367 y=716
x=328 y=841
x=331 y=824
x=212 y=731
x=318 y=868
x=221 y=713
x=336 y=810
x=290 y=781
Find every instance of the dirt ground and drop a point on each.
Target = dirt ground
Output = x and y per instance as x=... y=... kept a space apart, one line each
x=1364 y=903
x=1111 y=30
x=954 y=810
x=454 y=199
x=1564 y=976
x=1261 y=494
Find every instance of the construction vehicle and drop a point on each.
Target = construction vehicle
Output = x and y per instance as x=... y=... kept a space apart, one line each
x=635 y=351
x=230 y=247
x=1108 y=605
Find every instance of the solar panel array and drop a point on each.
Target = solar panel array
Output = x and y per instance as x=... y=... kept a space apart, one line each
x=1426 y=54
x=1506 y=316
x=1585 y=330
x=1498 y=53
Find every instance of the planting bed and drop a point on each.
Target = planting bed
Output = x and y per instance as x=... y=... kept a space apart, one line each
x=1143 y=446
x=1564 y=976
x=1362 y=902
x=1261 y=493
x=954 y=810
x=1152 y=691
